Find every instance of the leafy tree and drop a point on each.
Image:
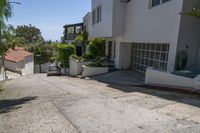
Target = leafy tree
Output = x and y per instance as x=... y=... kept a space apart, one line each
x=9 y=38
x=30 y=33
x=82 y=40
x=40 y=56
x=55 y=54
x=5 y=13
x=42 y=53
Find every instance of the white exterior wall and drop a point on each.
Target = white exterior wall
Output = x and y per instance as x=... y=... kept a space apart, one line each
x=87 y=21
x=14 y=66
x=122 y=58
x=118 y=18
x=28 y=66
x=137 y=22
x=44 y=68
x=103 y=28
x=92 y=71
x=113 y=15
x=159 y=24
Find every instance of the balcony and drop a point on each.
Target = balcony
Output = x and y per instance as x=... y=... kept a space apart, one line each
x=72 y=31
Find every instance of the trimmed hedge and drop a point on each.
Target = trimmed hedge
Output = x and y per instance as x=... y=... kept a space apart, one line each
x=65 y=51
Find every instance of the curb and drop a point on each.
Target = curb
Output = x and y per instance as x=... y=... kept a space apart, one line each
x=183 y=90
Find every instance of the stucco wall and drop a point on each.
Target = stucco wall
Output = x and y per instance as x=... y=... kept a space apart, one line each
x=103 y=28
x=141 y=24
x=25 y=67
x=92 y=71
x=44 y=68
x=122 y=58
x=159 y=24
x=190 y=36
x=118 y=18
x=87 y=20
x=13 y=66
x=28 y=66
x=113 y=16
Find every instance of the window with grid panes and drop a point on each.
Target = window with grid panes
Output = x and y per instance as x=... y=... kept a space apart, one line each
x=149 y=55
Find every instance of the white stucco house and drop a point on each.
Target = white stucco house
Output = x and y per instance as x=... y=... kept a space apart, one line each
x=20 y=61
x=87 y=24
x=147 y=33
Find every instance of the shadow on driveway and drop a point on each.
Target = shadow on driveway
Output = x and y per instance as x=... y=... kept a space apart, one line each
x=121 y=77
x=127 y=81
x=169 y=95
x=7 y=105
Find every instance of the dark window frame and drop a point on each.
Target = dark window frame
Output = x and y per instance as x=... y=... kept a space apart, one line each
x=153 y=3
x=97 y=15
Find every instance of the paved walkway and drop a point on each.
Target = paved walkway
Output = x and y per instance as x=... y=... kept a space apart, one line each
x=40 y=104
x=124 y=77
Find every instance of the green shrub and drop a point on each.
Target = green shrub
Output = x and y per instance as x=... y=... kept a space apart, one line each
x=88 y=55
x=98 y=62
x=97 y=47
x=65 y=51
x=94 y=64
x=78 y=58
x=74 y=56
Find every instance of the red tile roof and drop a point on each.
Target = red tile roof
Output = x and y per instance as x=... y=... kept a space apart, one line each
x=16 y=55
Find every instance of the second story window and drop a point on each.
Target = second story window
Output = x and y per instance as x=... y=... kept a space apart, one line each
x=96 y=15
x=156 y=2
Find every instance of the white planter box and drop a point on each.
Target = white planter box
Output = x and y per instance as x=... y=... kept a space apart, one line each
x=92 y=71
x=164 y=78
x=75 y=67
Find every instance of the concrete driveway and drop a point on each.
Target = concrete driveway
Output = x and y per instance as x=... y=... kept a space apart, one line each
x=122 y=77
x=40 y=104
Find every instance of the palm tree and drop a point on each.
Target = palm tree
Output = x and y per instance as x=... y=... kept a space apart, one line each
x=5 y=13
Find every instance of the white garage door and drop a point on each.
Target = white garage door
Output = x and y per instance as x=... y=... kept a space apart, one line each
x=149 y=55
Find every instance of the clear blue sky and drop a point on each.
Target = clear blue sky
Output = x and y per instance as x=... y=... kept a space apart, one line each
x=49 y=15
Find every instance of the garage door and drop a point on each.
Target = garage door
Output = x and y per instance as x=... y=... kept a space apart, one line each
x=149 y=55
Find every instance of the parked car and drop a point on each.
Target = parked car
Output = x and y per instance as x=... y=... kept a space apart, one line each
x=54 y=70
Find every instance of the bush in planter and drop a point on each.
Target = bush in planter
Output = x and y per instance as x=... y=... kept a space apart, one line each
x=88 y=56
x=97 y=47
x=99 y=62
x=94 y=64
x=65 y=51
x=77 y=58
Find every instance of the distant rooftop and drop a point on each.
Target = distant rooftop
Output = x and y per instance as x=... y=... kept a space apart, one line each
x=17 y=54
x=76 y=24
